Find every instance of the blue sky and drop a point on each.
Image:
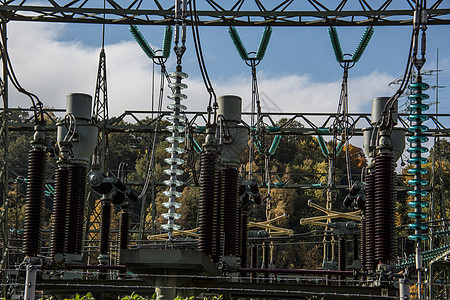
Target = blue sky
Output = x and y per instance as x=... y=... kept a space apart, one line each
x=299 y=72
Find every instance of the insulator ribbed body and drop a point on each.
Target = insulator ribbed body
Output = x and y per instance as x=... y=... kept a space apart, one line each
x=76 y=208
x=362 y=245
x=370 y=221
x=342 y=250
x=230 y=210
x=33 y=208
x=59 y=233
x=176 y=128
x=105 y=226
x=384 y=191
x=394 y=220
x=243 y=244
x=124 y=228
x=416 y=150
x=219 y=219
x=208 y=203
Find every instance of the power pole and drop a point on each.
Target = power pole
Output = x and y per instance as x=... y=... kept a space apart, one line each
x=100 y=161
x=4 y=171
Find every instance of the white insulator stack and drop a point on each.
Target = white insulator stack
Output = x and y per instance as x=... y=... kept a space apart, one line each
x=177 y=129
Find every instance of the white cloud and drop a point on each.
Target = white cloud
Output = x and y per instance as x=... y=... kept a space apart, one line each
x=52 y=69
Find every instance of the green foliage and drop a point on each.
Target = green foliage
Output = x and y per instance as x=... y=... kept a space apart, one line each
x=135 y=296
x=88 y=296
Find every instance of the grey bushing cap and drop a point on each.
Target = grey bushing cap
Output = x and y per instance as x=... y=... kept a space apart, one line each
x=79 y=105
x=378 y=105
x=230 y=107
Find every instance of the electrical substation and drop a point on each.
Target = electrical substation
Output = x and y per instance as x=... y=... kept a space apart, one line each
x=73 y=221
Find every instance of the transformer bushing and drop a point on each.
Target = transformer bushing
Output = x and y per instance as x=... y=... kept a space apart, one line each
x=234 y=139
x=383 y=148
x=209 y=215
x=35 y=194
x=82 y=134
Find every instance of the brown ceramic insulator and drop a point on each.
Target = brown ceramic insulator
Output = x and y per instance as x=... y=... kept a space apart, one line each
x=59 y=227
x=33 y=206
x=369 y=247
x=208 y=202
x=341 y=253
x=230 y=211
x=362 y=245
x=383 y=208
x=105 y=226
x=244 y=241
x=219 y=219
x=76 y=208
x=124 y=228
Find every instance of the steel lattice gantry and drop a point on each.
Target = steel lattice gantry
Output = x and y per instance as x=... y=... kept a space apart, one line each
x=227 y=13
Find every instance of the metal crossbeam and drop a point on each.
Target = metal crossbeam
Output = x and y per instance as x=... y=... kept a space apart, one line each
x=226 y=13
x=312 y=123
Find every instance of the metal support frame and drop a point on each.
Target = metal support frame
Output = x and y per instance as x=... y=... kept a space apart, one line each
x=100 y=160
x=221 y=13
x=4 y=168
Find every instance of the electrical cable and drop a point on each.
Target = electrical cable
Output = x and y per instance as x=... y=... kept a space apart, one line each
x=36 y=103
x=201 y=62
x=150 y=165
x=70 y=123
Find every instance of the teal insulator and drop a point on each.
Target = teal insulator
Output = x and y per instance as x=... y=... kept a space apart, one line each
x=418 y=128
x=418 y=193
x=323 y=130
x=417 y=203
x=200 y=129
x=416 y=237
x=142 y=42
x=415 y=160
x=263 y=43
x=417 y=171
x=167 y=42
x=417 y=139
x=258 y=146
x=416 y=182
x=196 y=146
x=415 y=214
x=418 y=117
x=322 y=145
x=418 y=96
x=417 y=85
x=368 y=32
x=275 y=143
x=317 y=185
x=279 y=184
x=417 y=149
x=336 y=44
x=420 y=226
x=238 y=43
x=339 y=147
x=417 y=106
x=274 y=129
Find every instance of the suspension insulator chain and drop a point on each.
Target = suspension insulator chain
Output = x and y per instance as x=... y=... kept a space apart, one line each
x=176 y=128
x=416 y=150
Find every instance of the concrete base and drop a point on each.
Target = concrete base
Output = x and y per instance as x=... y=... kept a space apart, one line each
x=168 y=262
